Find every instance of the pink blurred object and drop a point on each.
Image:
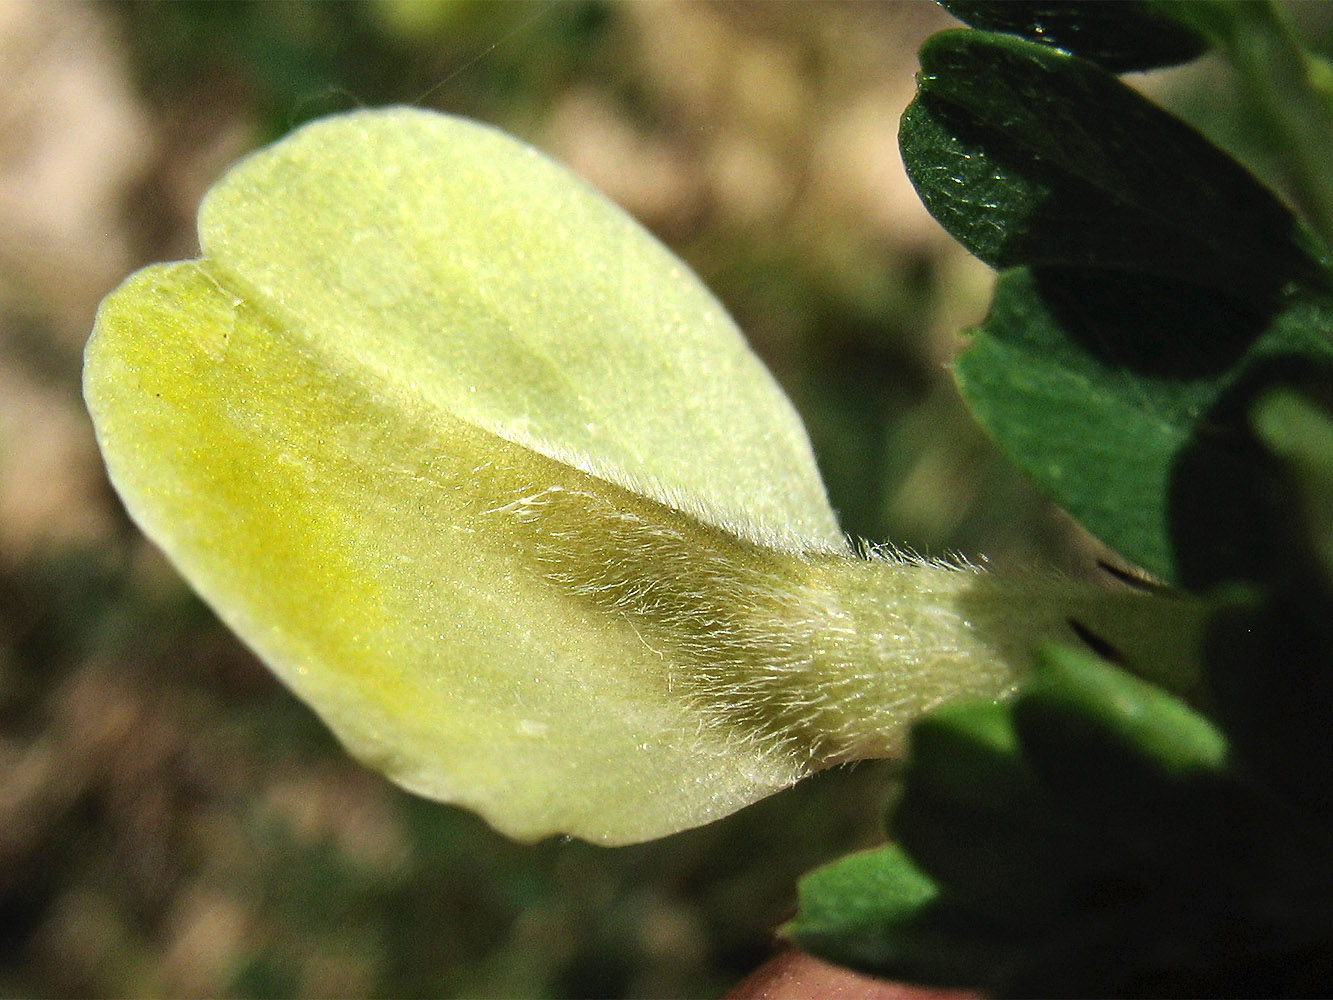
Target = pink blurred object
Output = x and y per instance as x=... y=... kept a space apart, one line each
x=794 y=975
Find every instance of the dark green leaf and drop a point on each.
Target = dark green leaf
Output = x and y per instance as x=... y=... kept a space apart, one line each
x=877 y=912
x=1175 y=843
x=1118 y=34
x=1269 y=649
x=1011 y=869
x=1129 y=860
x=1139 y=773
x=845 y=907
x=1300 y=434
x=975 y=820
x=1091 y=726
x=1269 y=660
x=1030 y=156
x=967 y=751
x=1126 y=398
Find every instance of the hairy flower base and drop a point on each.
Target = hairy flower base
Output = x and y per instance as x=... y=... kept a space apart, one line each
x=821 y=657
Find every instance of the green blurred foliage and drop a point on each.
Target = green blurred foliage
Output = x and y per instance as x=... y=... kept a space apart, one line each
x=290 y=62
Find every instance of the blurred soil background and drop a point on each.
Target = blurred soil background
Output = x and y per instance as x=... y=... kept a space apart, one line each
x=172 y=822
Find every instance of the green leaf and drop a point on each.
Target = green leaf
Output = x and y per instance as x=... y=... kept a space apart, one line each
x=1089 y=838
x=857 y=896
x=1117 y=34
x=421 y=419
x=1301 y=434
x=1125 y=398
x=1009 y=869
x=1269 y=645
x=877 y=912
x=1103 y=845
x=967 y=751
x=1268 y=663
x=1030 y=156
x=975 y=819
x=1080 y=716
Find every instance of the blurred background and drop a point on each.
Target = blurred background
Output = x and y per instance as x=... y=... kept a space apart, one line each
x=172 y=822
